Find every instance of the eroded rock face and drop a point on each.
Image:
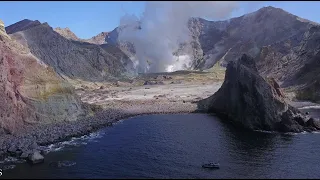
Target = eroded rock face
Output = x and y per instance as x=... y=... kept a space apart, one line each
x=296 y=63
x=31 y=92
x=69 y=57
x=67 y=33
x=2 y=28
x=3 y=34
x=248 y=99
x=225 y=41
x=98 y=39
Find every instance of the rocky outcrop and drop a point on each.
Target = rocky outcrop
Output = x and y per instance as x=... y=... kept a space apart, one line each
x=22 y=25
x=2 y=28
x=31 y=93
x=36 y=158
x=248 y=99
x=107 y=40
x=121 y=50
x=73 y=59
x=295 y=63
x=125 y=47
x=67 y=33
x=153 y=83
x=285 y=47
x=98 y=39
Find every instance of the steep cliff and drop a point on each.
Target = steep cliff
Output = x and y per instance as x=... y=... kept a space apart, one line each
x=30 y=91
x=247 y=99
x=295 y=63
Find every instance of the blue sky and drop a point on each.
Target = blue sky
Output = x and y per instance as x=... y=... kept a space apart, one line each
x=87 y=19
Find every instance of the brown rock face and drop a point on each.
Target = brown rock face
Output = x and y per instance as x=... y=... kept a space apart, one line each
x=67 y=33
x=295 y=62
x=3 y=34
x=247 y=99
x=98 y=39
x=31 y=92
x=12 y=107
x=276 y=87
x=2 y=29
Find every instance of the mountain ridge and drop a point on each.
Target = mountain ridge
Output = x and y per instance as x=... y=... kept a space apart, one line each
x=273 y=36
x=69 y=57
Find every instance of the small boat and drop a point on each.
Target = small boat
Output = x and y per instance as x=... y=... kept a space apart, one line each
x=211 y=165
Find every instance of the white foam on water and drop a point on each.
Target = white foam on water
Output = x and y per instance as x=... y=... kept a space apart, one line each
x=268 y=132
x=315 y=132
x=60 y=164
x=73 y=142
x=287 y=133
x=11 y=159
x=7 y=167
x=310 y=107
x=119 y=122
x=52 y=148
x=293 y=133
x=68 y=164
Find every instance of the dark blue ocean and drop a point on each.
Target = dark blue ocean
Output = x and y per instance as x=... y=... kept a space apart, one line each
x=175 y=146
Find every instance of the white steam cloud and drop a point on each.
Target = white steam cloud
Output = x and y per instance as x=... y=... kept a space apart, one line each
x=161 y=30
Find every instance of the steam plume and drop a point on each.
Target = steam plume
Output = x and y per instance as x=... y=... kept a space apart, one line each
x=163 y=27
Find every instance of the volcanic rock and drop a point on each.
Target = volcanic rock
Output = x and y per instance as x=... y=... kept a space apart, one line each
x=36 y=158
x=247 y=99
x=153 y=83
x=68 y=56
x=31 y=92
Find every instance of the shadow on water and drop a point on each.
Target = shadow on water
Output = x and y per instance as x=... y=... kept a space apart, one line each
x=253 y=148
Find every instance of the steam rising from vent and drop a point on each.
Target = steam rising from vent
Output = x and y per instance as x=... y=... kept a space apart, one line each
x=163 y=28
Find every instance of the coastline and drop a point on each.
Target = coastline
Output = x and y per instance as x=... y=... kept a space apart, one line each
x=34 y=136
x=118 y=103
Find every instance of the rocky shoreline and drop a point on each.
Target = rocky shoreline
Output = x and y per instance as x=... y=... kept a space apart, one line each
x=28 y=142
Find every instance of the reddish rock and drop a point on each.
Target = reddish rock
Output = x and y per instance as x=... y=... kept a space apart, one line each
x=31 y=92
